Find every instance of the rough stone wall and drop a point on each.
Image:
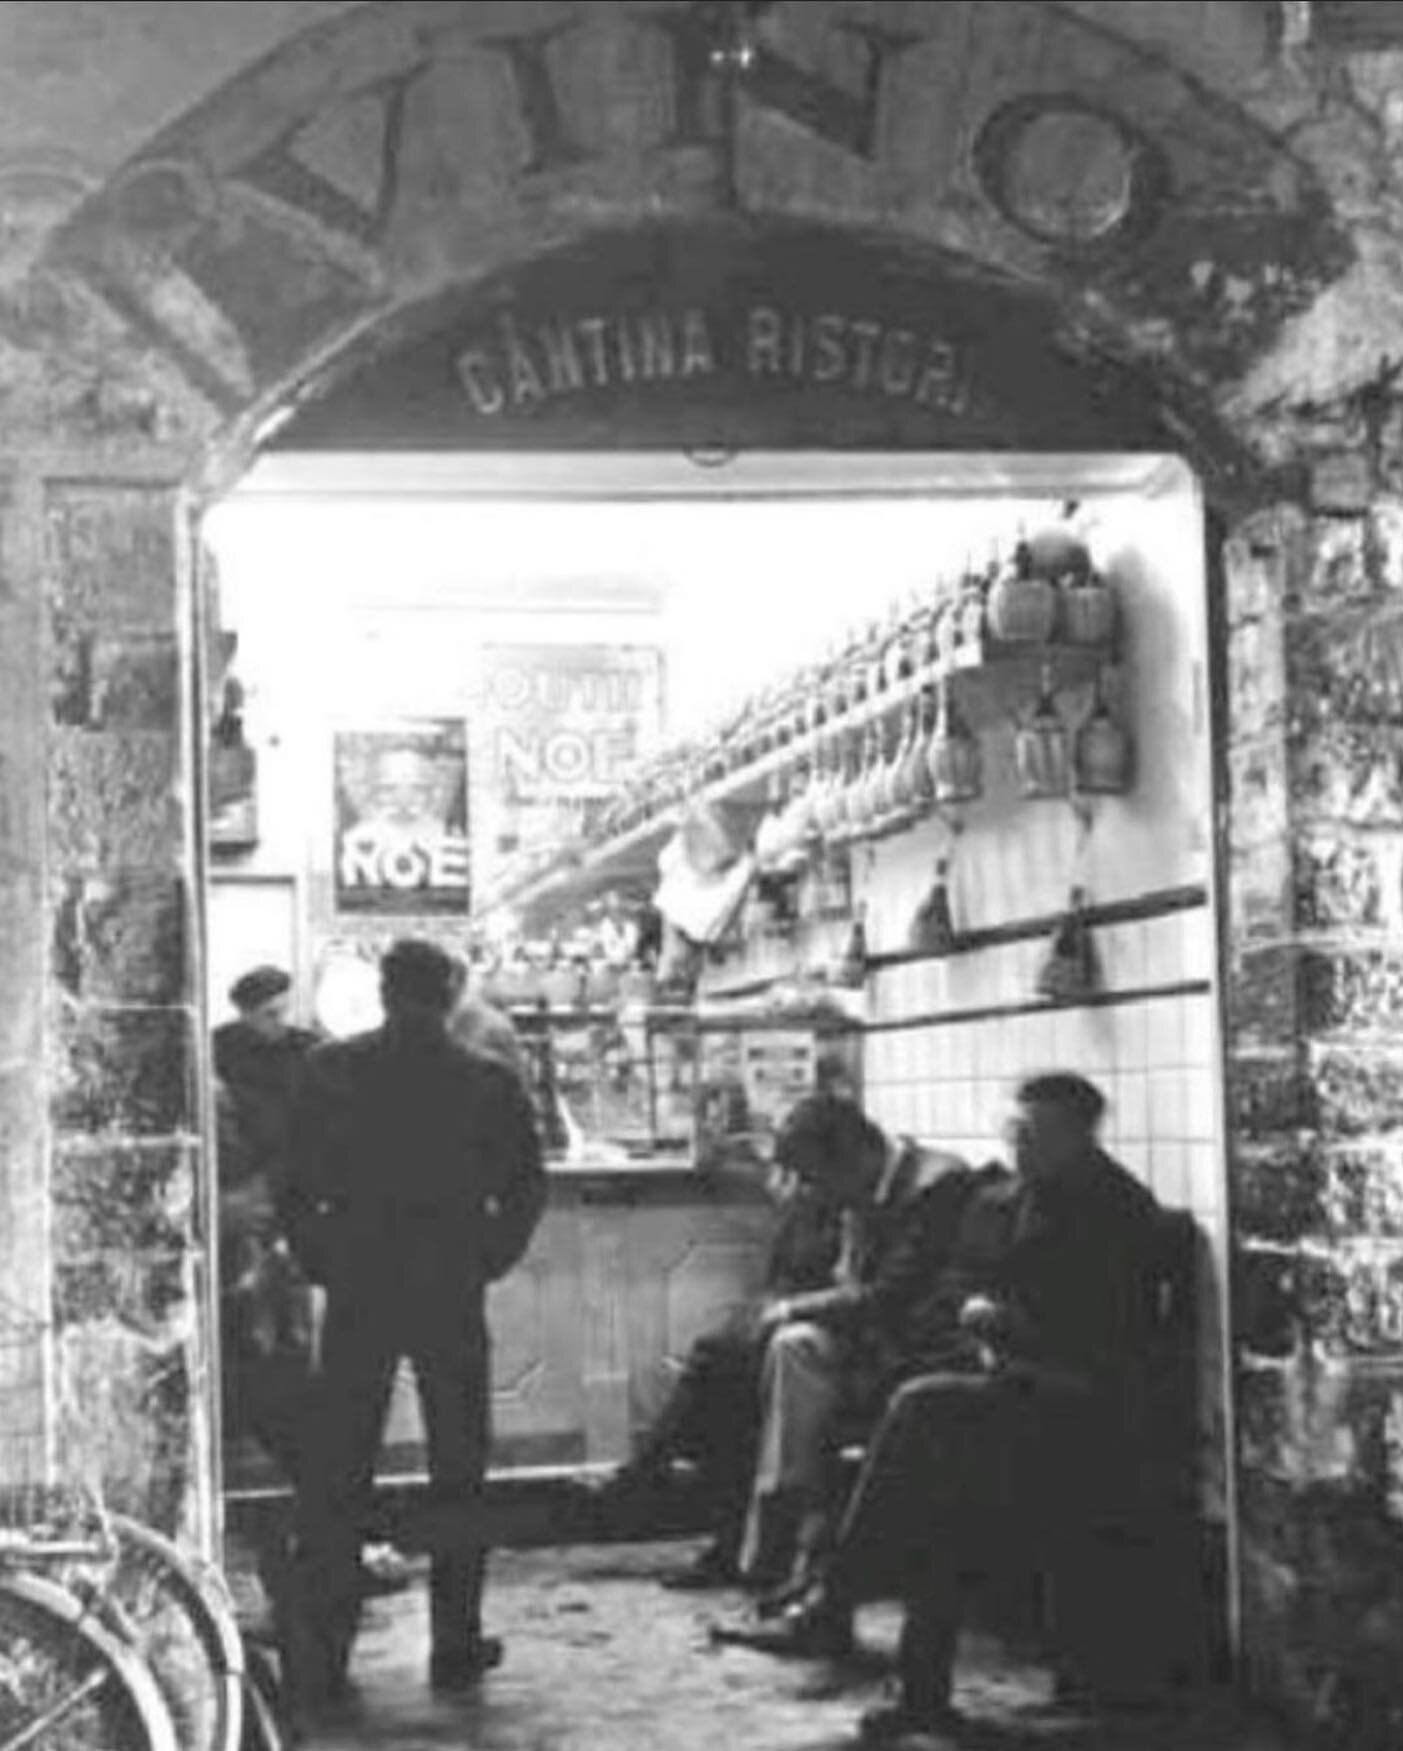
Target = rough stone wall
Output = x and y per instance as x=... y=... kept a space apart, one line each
x=120 y=1065
x=1316 y=992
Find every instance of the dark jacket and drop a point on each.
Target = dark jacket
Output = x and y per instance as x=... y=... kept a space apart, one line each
x=804 y=1247
x=906 y=1244
x=1074 y=1264
x=261 y=1077
x=416 y=1169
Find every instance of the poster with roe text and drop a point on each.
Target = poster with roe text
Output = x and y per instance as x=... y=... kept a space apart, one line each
x=401 y=819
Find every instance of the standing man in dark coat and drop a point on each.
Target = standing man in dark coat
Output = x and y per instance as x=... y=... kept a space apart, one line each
x=416 y=1180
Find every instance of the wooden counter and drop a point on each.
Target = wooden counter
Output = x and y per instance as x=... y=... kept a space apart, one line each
x=629 y=1265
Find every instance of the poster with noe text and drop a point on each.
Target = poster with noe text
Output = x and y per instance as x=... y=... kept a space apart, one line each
x=402 y=843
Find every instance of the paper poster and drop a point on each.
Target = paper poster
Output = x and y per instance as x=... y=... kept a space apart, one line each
x=402 y=819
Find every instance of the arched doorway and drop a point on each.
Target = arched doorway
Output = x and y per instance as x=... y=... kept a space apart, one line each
x=673 y=375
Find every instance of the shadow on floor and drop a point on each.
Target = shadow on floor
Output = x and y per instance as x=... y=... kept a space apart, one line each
x=600 y=1658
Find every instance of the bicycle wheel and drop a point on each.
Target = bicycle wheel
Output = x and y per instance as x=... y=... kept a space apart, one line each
x=263 y=1729
x=68 y=1682
x=183 y=1627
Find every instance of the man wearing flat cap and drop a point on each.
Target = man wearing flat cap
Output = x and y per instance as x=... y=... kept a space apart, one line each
x=258 y=1061
x=259 y=1057
x=416 y=1181
x=1013 y=1430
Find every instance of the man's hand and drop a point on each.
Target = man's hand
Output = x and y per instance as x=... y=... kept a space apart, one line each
x=982 y=1316
x=778 y=1313
x=985 y=1321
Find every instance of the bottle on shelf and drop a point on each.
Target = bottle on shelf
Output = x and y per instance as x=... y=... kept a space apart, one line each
x=1040 y=748
x=918 y=784
x=953 y=755
x=852 y=969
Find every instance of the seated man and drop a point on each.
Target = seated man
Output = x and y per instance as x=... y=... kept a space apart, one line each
x=711 y=1416
x=831 y=1352
x=1016 y=1435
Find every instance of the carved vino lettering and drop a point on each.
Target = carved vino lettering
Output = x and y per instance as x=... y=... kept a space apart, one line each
x=282 y=174
x=274 y=221
x=705 y=56
x=844 y=118
x=528 y=55
x=696 y=117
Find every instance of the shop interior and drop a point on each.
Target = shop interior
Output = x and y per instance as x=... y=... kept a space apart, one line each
x=722 y=764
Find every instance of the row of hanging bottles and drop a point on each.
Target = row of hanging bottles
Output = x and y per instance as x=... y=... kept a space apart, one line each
x=855 y=783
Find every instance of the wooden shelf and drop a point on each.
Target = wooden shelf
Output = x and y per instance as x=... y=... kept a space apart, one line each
x=989 y=684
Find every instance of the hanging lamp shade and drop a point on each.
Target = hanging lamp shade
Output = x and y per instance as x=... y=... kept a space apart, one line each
x=1104 y=753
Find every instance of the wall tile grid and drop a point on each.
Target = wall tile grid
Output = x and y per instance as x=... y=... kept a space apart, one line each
x=1154 y=1058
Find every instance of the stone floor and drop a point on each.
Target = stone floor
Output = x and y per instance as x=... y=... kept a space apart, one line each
x=600 y=1658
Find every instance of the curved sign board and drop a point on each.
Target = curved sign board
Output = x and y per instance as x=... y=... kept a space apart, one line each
x=733 y=334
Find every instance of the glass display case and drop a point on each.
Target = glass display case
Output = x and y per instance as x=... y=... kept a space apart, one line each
x=615 y=1087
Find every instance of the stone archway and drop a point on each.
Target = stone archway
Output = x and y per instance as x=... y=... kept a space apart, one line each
x=274 y=236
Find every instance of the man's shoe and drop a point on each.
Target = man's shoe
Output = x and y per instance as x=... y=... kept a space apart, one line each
x=710 y=1568
x=384 y=1570
x=898 y=1727
x=454 y=1669
x=816 y=1631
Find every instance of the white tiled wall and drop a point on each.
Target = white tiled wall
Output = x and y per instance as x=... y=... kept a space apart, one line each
x=1154 y=1058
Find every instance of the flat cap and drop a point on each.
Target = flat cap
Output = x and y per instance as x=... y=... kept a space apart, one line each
x=259 y=985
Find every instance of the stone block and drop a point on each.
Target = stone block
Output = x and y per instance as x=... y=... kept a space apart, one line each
x=1352 y=991
x=1294 y=1426
x=1267 y=1300
x=1359 y=1311
x=1339 y=883
x=1258 y=790
x=1386 y=530
x=127 y=683
x=21 y=967
x=1348 y=771
x=127 y=1409
x=113 y=801
x=124 y=1072
x=24 y=1218
x=1262 y=559
x=1354 y=1091
x=1342 y=482
x=1322 y=1610
x=146 y=1292
x=1339 y=562
x=1278 y=1191
x=1345 y=666
x=1261 y=903
x=121 y=938
x=122 y=1197
x=1257 y=702
x=1268 y=1094
x=111 y=556
x=1361 y=1190
x=1264 y=993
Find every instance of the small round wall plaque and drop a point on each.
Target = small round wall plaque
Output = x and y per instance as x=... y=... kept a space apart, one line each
x=1070 y=174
